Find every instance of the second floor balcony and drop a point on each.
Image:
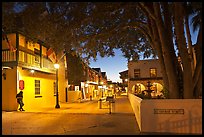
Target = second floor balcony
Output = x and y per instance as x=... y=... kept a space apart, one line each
x=27 y=59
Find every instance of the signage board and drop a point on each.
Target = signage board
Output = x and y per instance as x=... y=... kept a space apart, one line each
x=21 y=84
x=109 y=98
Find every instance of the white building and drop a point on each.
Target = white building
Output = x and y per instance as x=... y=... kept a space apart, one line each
x=143 y=71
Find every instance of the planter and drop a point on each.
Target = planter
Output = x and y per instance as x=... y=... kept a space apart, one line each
x=180 y=116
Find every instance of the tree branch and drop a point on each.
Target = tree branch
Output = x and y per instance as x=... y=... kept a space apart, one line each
x=143 y=31
x=143 y=6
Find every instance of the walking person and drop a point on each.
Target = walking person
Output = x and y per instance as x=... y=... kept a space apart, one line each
x=19 y=97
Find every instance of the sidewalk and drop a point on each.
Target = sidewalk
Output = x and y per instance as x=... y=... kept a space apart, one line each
x=121 y=105
x=85 y=118
x=73 y=119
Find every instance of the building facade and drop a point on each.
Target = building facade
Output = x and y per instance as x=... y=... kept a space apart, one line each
x=95 y=84
x=143 y=73
x=91 y=81
x=28 y=69
x=124 y=77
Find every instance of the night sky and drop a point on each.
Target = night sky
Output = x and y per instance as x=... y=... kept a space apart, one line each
x=113 y=65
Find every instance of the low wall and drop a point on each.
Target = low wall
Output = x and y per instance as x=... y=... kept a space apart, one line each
x=73 y=96
x=168 y=115
x=136 y=105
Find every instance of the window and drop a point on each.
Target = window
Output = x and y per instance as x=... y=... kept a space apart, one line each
x=37 y=56
x=136 y=73
x=21 y=56
x=37 y=87
x=153 y=72
x=37 y=59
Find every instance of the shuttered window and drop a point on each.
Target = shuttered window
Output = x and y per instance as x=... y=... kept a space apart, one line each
x=37 y=87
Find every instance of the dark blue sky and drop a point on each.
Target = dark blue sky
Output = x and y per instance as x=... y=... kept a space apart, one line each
x=111 y=65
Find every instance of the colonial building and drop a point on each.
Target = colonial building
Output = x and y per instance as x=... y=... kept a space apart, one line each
x=104 y=78
x=143 y=73
x=92 y=82
x=102 y=83
x=95 y=84
x=124 y=76
x=26 y=67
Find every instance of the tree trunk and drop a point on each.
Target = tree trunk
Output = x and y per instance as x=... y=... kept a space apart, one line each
x=197 y=87
x=67 y=50
x=188 y=34
x=168 y=25
x=187 y=72
x=157 y=46
x=197 y=77
x=168 y=29
x=169 y=64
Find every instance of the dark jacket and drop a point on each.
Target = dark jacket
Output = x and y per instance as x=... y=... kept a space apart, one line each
x=19 y=95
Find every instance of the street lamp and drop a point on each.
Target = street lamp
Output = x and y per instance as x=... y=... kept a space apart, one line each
x=57 y=96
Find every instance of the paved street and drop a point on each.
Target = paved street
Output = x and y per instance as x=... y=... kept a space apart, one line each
x=73 y=119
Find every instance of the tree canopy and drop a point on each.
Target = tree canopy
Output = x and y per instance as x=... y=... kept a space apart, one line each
x=138 y=29
x=89 y=28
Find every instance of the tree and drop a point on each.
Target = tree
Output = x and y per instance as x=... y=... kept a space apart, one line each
x=75 y=68
x=197 y=25
x=137 y=29
x=160 y=20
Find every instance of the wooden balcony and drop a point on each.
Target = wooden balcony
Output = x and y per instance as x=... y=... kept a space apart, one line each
x=27 y=60
x=8 y=56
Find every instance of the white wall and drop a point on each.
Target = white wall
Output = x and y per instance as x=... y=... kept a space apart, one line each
x=135 y=103
x=181 y=116
x=144 y=66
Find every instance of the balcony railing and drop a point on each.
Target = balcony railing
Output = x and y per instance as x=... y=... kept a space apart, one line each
x=8 y=56
x=28 y=60
x=47 y=64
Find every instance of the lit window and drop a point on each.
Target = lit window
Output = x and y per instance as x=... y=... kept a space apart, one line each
x=37 y=56
x=21 y=56
x=153 y=72
x=37 y=59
